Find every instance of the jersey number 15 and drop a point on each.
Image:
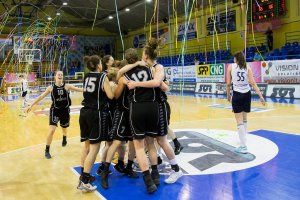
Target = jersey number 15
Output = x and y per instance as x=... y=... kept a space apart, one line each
x=89 y=85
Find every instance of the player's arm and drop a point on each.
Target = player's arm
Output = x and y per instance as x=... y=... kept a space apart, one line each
x=42 y=96
x=228 y=83
x=254 y=85
x=164 y=87
x=120 y=87
x=107 y=89
x=155 y=82
x=73 y=88
x=128 y=67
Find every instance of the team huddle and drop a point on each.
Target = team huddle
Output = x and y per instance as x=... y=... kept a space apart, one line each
x=126 y=106
x=125 y=103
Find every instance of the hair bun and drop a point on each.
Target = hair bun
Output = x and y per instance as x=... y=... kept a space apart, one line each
x=153 y=43
x=86 y=59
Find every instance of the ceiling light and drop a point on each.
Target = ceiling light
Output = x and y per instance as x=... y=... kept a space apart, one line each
x=127 y=9
x=58 y=14
x=49 y=18
x=65 y=3
x=110 y=17
x=148 y=0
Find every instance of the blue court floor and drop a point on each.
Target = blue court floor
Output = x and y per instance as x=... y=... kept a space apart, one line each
x=276 y=179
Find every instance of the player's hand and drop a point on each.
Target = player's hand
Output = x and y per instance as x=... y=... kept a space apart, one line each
x=141 y=63
x=229 y=98
x=262 y=100
x=131 y=85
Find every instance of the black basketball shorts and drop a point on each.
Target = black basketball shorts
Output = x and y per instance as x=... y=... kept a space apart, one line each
x=94 y=125
x=241 y=102
x=61 y=115
x=143 y=119
x=121 y=129
x=24 y=94
x=164 y=118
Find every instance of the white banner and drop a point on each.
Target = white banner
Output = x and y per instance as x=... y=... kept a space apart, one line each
x=181 y=74
x=191 y=32
x=211 y=73
x=283 y=91
x=206 y=88
x=14 y=90
x=281 y=71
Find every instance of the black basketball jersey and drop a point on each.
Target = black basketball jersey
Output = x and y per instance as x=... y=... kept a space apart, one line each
x=160 y=95
x=139 y=94
x=60 y=97
x=93 y=91
x=122 y=101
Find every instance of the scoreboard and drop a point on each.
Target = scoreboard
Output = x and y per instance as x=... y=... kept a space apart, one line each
x=265 y=9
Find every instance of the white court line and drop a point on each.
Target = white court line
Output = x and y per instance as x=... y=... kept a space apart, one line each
x=35 y=145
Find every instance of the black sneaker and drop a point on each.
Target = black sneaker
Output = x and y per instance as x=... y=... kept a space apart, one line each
x=151 y=187
x=155 y=177
x=178 y=149
x=130 y=173
x=120 y=168
x=64 y=143
x=104 y=179
x=47 y=155
x=100 y=169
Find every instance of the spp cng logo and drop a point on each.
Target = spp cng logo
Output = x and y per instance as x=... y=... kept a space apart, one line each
x=210 y=70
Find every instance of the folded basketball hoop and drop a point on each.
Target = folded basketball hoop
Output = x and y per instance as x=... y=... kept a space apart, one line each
x=29 y=58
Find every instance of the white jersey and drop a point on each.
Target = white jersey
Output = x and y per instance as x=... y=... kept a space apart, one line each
x=240 y=79
x=24 y=85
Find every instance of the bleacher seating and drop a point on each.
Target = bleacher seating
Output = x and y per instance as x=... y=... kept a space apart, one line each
x=288 y=51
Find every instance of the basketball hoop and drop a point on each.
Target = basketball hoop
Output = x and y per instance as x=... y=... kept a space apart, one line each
x=29 y=59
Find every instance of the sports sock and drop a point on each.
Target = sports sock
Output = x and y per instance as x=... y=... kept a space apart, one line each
x=242 y=134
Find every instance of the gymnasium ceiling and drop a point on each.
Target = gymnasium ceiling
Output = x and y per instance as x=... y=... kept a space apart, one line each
x=81 y=13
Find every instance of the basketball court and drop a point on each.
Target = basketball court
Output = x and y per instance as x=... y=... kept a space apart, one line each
x=207 y=131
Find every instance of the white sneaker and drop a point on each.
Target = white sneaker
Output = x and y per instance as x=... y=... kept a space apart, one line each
x=163 y=166
x=86 y=187
x=241 y=149
x=174 y=176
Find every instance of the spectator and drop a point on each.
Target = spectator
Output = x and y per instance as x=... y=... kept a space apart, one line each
x=269 y=34
x=257 y=56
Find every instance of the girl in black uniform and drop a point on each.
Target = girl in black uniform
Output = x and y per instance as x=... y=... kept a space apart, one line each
x=107 y=64
x=93 y=117
x=121 y=133
x=149 y=56
x=143 y=121
x=59 y=111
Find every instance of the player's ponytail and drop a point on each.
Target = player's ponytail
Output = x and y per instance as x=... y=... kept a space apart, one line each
x=152 y=46
x=92 y=62
x=240 y=60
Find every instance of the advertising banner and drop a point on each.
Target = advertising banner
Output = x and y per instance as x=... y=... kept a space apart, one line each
x=256 y=69
x=262 y=88
x=183 y=87
x=162 y=33
x=206 y=88
x=281 y=71
x=14 y=90
x=283 y=91
x=191 y=32
x=139 y=41
x=14 y=78
x=211 y=73
x=181 y=73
